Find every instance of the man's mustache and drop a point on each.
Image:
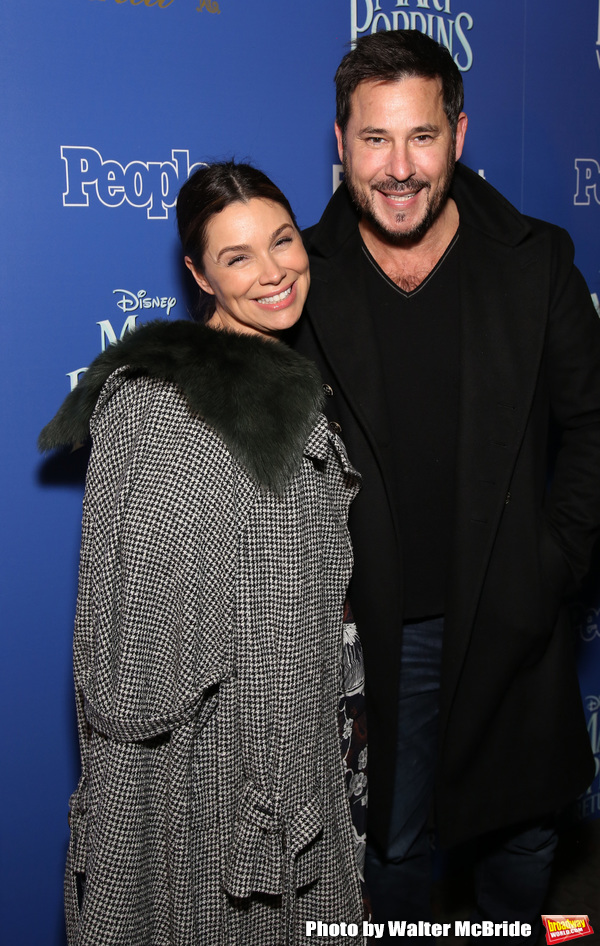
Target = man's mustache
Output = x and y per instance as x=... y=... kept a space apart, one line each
x=412 y=185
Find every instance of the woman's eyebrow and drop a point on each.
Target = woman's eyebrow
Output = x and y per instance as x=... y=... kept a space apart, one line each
x=246 y=246
x=232 y=249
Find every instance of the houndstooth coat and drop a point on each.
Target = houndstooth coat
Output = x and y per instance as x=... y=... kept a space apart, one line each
x=215 y=557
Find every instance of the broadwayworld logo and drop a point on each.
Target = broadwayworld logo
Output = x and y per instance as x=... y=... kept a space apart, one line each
x=150 y=184
x=560 y=928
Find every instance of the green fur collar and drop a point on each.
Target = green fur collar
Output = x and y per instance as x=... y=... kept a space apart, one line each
x=260 y=396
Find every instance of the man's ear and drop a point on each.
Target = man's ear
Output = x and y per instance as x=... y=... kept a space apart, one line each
x=340 y=141
x=199 y=277
x=461 y=130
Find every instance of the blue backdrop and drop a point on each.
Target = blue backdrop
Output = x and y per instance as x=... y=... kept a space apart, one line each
x=107 y=105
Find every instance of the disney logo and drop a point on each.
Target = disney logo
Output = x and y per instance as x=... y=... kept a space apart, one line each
x=130 y=301
x=590 y=628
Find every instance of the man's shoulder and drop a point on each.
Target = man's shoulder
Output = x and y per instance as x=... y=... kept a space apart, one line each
x=544 y=227
x=485 y=209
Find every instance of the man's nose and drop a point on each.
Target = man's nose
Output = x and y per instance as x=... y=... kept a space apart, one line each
x=400 y=164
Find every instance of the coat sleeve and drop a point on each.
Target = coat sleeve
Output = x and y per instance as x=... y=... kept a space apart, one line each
x=145 y=631
x=151 y=641
x=573 y=359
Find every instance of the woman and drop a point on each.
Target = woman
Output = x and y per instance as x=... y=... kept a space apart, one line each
x=215 y=558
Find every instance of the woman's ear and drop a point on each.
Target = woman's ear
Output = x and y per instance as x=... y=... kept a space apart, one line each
x=199 y=277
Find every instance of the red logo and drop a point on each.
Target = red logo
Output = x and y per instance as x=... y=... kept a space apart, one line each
x=560 y=928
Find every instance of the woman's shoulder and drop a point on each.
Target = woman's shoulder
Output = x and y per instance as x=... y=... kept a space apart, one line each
x=259 y=396
x=131 y=400
x=158 y=350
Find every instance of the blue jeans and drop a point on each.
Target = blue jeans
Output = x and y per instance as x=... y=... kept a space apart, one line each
x=512 y=867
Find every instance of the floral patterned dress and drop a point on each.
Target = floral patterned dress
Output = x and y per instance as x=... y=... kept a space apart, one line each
x=353 y=739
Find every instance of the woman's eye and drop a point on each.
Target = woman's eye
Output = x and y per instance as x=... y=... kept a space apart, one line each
x=287 y=239
x=235 y=259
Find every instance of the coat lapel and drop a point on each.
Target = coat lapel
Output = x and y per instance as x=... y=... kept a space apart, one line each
x=339 y=310
x=501 y=347
x=343 y=323
x=347 y=339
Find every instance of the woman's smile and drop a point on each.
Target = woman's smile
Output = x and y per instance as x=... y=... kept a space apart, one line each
x=256 y=267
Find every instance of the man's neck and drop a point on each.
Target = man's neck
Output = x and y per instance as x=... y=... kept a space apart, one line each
x=408 y=265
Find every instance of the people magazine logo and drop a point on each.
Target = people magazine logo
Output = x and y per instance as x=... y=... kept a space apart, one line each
x=132 y=304
x=559 y=928
x=150 y=184
x=438 y=18
x=587 y=182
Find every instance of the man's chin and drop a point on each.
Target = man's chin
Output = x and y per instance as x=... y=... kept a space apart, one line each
x=396 y=236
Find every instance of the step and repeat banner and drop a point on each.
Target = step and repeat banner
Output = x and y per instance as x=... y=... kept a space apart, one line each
x=108 y=106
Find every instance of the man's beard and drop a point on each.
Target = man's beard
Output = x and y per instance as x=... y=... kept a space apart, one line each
x=434 y=207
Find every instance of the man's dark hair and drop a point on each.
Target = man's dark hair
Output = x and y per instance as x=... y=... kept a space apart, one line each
x=398 y=54
x=207 y=192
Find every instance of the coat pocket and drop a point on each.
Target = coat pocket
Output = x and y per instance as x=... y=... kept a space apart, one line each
x=270 y=854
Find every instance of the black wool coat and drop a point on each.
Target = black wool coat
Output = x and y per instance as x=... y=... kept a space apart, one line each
x=513 y=742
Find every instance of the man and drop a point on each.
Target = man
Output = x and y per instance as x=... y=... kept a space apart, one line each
x=451 y=330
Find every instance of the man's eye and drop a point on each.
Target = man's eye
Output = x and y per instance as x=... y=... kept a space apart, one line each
x=374 y=140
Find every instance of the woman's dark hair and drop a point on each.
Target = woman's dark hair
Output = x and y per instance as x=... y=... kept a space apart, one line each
x=207 y=192
x=398 y=54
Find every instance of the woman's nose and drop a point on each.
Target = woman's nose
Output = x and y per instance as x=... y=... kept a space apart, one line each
x=272 y=272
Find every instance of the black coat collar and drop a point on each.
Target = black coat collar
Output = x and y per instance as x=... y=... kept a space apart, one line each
x=479 y=204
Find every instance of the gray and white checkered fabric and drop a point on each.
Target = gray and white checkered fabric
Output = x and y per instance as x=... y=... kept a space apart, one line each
x=211 y=807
